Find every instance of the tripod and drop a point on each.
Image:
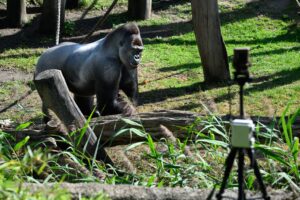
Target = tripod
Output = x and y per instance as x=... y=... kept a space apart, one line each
x=244 y=145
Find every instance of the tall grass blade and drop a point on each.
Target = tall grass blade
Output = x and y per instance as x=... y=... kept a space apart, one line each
x=20 y=144
x=285 y=127
x=23 y=126
x=268 y=152
x=130 y=122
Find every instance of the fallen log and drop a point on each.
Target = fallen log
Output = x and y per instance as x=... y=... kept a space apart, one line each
x=55 y=95
x=118 y=192
x=175 y=121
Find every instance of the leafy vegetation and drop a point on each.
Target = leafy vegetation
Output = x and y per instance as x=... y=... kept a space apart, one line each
x=162 y=163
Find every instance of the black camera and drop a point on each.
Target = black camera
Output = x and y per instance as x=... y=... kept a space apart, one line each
x=241 y=63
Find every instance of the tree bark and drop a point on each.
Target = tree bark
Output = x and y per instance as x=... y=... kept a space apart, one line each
x=209 y=40
x=55 y=95
x=139 y=9
x=16 y=13
x=48 y=23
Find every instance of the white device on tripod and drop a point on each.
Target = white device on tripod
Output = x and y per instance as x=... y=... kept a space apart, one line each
x=242 y=133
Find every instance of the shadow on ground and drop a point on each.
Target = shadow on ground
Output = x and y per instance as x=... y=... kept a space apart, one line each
x=269 y=82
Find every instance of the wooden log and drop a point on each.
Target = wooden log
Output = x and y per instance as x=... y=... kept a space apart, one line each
x=55 y=95
x=117 y=192
x=173 y=120
x=105 y=127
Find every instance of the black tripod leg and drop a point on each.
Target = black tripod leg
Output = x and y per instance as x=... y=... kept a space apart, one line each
x=257 y=174
x=229 y=162
x=241 y=175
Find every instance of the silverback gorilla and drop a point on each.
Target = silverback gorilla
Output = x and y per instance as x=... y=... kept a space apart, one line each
x=102 y=68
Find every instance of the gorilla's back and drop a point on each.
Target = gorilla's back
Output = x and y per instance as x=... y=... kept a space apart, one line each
x=55 y=57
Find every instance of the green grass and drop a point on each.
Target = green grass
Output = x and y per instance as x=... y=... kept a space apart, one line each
x=171 y=75
x=20 y=58
x=275 y=48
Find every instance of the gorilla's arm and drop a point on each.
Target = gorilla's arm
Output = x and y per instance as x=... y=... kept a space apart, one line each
x=107 y=102
x=129 y=84
x=107 y=88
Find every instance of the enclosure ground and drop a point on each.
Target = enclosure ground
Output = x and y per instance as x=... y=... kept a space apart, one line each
x=170 y=76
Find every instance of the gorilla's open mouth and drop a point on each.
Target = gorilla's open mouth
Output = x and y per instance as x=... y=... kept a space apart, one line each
x=134 y=64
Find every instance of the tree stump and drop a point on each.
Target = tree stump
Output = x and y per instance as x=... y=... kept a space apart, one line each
x=48 y=23
x=16 y=13
x=55 y=95
x=139 y=9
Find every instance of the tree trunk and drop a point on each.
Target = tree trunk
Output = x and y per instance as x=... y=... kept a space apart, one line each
x=209 y=40
x=48 y=23
x=139 y=9
x=16 y=13
x=72 y=4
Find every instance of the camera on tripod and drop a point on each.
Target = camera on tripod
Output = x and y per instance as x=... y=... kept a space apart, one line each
x=242 y=129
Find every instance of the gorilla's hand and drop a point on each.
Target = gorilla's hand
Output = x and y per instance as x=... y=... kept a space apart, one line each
x=129 y=110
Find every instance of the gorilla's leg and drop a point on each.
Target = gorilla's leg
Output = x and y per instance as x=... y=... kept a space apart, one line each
x=85 y=104
x=107 y=100
x=131 y=90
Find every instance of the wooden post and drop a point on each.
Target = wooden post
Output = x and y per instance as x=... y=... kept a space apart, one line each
x=209 y=40
x=72 y=4
x=48 y=23
x=16 y=13
x=55 y=95
x=139 y=9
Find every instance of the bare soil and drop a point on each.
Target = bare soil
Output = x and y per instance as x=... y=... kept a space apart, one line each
x=13 y=75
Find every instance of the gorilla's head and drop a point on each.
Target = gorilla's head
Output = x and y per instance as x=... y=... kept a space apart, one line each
x=131 y=46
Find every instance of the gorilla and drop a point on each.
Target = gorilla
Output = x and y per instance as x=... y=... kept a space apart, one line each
x=102 y=67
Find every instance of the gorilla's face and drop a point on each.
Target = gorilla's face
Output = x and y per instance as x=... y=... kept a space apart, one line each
x=131 y=51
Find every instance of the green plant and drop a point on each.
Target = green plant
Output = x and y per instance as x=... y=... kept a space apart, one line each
x=69 y=28
x=283 y=153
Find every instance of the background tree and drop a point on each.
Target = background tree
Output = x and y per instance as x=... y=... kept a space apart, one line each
x=16 y=13
x=139 y=9
x=209 y=40
x=72 y=4
x=48 y=23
